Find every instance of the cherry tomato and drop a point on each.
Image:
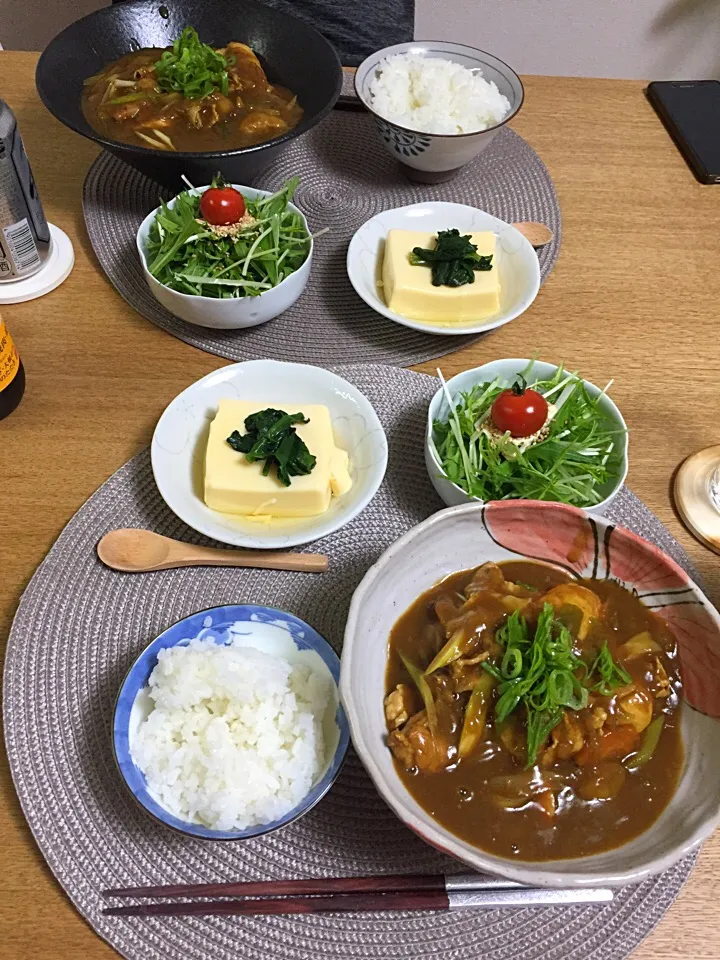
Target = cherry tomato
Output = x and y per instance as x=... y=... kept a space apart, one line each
x=520 y=411
x=222 y=205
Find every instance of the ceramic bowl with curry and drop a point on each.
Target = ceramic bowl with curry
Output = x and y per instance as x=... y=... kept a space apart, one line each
x=536 y=692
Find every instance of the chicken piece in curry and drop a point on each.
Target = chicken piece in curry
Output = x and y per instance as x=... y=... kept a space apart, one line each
x=533 y=715
x=189 y=97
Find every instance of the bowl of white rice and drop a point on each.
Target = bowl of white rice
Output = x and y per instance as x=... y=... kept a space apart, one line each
x=436 y=104
x=229 y=725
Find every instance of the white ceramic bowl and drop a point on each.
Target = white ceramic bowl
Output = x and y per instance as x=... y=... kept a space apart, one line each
x=235 y=313
x=516 y=261
x=432 y=158
x=450 y=493
x=180 y=440
x=464 y=537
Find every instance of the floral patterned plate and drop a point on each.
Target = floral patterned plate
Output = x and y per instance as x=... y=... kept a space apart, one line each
x=466 y=536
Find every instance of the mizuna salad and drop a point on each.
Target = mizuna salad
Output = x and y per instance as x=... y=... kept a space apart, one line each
x=531 y=439
x=222 y=244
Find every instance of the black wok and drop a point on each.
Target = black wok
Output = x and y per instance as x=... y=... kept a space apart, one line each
x=292 y=53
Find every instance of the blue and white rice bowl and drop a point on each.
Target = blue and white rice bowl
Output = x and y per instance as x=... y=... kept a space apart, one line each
x=266 y=629
x=432 y=157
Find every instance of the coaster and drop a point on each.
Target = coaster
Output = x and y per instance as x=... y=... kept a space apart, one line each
x=56 y=269
x=697 y=496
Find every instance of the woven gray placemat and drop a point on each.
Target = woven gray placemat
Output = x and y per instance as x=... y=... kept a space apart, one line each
x=346 y=178
x=79 y=627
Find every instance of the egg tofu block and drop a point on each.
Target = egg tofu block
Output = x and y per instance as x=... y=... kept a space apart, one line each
x=234 y=485
x=408 y=289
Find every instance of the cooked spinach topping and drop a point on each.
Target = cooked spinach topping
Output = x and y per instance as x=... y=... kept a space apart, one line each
x=453 y=261
x=271 y=437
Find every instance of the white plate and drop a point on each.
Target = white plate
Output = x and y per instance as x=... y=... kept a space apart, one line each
x=180 y=438
x=516 y=260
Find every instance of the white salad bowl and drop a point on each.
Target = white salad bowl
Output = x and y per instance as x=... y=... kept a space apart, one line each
x=517 y=262
x=453 y=495
x=235 y=313
x=463 y=538
x=430 y=157
x=180 y=440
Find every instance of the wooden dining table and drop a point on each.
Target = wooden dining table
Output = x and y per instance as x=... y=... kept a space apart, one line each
x=634 y=296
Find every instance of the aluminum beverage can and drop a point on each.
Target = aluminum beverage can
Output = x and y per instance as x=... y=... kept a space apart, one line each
x=24 y=231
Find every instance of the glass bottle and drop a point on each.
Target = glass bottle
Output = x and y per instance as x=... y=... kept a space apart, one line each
x=12 y=374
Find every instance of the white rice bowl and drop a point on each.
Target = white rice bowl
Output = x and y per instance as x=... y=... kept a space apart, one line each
x=433 y=95
x=234 y=736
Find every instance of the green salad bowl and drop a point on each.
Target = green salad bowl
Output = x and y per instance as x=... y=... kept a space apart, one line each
x=235 y=313
x=453 y=495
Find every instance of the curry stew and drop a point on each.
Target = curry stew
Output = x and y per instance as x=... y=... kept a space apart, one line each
x=126 y=102
x=534 y=716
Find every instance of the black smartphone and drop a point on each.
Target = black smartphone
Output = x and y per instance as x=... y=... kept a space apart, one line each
x=690 y=109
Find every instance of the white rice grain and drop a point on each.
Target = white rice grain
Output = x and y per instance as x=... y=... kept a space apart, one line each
x=433 y=95
x=235 y=737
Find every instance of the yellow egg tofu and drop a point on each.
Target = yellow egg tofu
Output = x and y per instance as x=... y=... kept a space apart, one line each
x=408 y=289
x=233 y=485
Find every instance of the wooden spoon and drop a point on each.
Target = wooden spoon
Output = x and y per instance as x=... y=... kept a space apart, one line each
x=140 y=551
x=537 y=233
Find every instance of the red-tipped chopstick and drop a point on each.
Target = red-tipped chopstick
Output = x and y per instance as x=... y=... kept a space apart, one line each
x=342 y=903
x=321 y=885
x=347 y=894
x=364 y=902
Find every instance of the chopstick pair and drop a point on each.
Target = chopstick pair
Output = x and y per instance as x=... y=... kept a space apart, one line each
x=348 y=895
